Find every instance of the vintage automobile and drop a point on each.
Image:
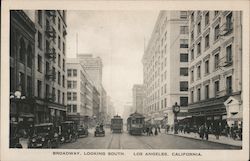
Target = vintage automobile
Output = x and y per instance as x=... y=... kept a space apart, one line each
x=68 y=132
x=44 y=136
x=14 y=136
x=82 y=131
x=99 y=131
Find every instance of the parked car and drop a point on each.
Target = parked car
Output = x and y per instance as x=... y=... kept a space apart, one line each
x=68 y=132
x=14 y=136
x=99 y=131
x=82 y=131
x=45 y=136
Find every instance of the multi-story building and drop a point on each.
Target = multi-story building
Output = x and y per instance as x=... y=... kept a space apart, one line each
x=22 y=73
x=82 y=96
x=215 y=67
x=127 y=110
x=165 y=67
x=138 y=96
x=93 y=66
x=50 y=54
x=96 y=105
x=110 y=109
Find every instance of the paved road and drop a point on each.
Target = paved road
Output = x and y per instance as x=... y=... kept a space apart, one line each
x=126 y=141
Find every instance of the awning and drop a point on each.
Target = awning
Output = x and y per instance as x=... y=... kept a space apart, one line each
x=236 y=117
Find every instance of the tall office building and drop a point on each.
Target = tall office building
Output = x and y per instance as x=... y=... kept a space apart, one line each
x=215 y=67
x=93 y=66
x=165 y=67
x=138 y=96
x=50 y=69
x=82 y=98
x=22 y=73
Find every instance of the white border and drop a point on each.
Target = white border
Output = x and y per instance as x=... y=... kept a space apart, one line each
x=27 y=154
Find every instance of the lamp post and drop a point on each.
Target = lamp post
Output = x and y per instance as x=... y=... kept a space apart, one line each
x=176 y=110
x=18 y=97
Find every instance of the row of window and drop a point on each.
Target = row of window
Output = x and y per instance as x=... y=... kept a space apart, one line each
x=163 y=104
x=71 y=108
x=51 y=75
x=47 y=64
x=71 y=84
x=218 y=31
x=40 y=42
x=71 y=96
x=183 y=58
x=25 y=55
x=72 y=72
x=218 y=62
x=216 y=87
x=50 y=95
x=52 y=14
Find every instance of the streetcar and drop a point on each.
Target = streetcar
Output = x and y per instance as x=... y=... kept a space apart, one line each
x=116 y=124
x=135 y=124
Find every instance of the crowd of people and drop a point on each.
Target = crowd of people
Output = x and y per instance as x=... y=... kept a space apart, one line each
x=234 y=131
x=152 y=130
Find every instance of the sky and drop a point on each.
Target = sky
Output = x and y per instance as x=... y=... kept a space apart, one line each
x=118 y=38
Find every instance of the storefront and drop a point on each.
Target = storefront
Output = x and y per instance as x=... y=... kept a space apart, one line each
x=211 y=112
x=57 y=113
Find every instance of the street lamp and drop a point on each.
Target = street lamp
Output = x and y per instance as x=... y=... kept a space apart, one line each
x=18 y=97
x=176 y=110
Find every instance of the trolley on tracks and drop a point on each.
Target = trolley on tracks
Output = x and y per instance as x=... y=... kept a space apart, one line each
x=135 y=123
x=116 y=124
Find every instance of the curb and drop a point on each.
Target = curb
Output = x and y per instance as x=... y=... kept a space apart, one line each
x=237 y=146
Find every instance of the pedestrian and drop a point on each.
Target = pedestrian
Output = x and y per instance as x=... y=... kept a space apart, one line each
x=240 y=131
x=147 y=130
x=201 y=131
x=206 y=130
x=156 y=133
x=168 y=128
x=159 y=129
x=217 y=132
x=151 y=131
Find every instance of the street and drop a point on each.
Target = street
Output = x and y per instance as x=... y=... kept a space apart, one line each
x=126 y=141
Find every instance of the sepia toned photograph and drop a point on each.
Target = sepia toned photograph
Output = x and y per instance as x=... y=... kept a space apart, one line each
x=124 y=80
x=180 y=86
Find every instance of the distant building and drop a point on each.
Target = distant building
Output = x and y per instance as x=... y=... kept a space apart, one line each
x=165 y=67
x=82 y=96
x=127 y=110
x=22 y=67
x=138 y=96
x=93 y=66
x=215 y=67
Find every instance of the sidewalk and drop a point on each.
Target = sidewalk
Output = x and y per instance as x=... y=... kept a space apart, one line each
x=212 y=138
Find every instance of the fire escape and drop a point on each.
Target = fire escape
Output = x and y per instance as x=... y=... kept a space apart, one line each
x=50 y=52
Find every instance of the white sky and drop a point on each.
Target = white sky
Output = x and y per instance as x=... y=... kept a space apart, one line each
x=118 y=38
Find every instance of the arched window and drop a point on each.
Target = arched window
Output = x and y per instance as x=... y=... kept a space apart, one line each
x=21 y=53
x=29 y=57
